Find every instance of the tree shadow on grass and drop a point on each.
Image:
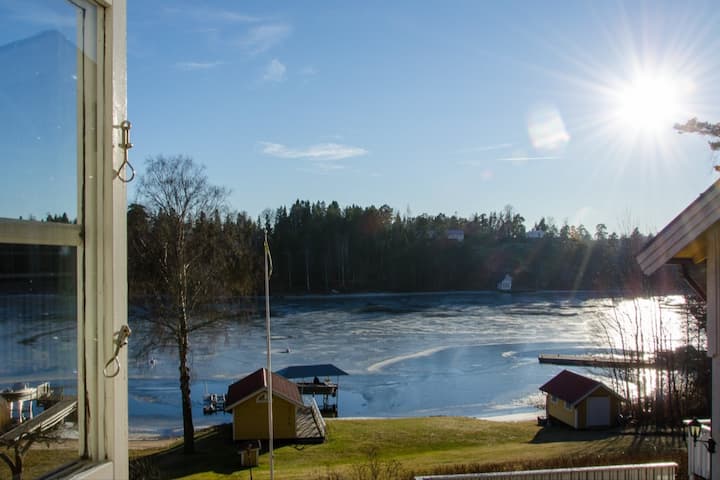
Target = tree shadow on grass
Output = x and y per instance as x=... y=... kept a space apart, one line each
x=604 y=447
x=215 y=452
x=668 y=438
x=561 y=433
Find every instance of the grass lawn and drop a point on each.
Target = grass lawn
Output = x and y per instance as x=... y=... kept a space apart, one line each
x=41 y=460
x=414 y=446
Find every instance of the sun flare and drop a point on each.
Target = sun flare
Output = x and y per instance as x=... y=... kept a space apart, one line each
x=651 y=102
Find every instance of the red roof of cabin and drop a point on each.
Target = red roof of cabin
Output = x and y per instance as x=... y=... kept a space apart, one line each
x=257 y=381
x=570 y=386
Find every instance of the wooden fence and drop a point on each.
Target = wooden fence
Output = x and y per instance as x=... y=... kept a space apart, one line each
x=649 y=471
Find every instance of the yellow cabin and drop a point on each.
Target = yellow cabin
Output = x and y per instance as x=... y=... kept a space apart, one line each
x=580 y=402
x=247 y=399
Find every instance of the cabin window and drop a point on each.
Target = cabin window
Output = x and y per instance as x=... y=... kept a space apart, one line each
x=61 y=297
x=568 y=405
x=553 y=399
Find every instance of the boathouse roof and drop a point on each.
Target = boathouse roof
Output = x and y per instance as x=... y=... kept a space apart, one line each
x=257 y=381
x=304 y=371
x=685 y=238
x=572 y=387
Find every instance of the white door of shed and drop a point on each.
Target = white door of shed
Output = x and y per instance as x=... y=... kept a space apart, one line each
x=598 y=412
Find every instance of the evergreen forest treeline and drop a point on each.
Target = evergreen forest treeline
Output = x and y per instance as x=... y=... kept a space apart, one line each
x=321 y=248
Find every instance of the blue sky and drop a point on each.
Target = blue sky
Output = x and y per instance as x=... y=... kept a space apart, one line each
x=431 y=106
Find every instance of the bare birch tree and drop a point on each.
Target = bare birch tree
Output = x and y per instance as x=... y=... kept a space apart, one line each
x=183 y=264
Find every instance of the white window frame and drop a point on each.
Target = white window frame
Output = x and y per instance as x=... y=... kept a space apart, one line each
x=101 y=241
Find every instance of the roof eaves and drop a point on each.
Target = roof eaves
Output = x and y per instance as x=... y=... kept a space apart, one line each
x=682 y=230
x=593 y=390
x=276 y=393
x=564 y=398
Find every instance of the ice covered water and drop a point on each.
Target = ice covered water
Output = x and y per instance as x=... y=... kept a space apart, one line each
x=470 y=353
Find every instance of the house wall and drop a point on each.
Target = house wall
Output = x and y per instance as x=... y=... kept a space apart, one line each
x=4 y=415
x=600 y=392
x=558 y=410
x=713 y=328
x=250 y=419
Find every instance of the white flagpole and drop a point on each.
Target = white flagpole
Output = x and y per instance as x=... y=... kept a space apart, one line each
x=268 y=272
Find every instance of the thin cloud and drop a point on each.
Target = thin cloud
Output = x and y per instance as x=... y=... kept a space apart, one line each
x=515 y=158
x=212 y=15
x=486 y=148
x=192 y=66
x=264 y=37
x=318 y=152
x=275 y=71
x=308 y=71
x=526 y=159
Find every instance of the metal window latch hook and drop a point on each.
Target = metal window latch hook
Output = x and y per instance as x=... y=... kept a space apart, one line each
x=121 y=339
x=125 y=145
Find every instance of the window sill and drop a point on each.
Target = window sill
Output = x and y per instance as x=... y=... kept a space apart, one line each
x=82 y=470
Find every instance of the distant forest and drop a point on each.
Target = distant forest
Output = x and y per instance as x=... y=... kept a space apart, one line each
x=323 y=248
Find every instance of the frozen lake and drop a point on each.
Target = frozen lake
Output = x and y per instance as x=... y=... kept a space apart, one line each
x=472 y=354
x=469 y=353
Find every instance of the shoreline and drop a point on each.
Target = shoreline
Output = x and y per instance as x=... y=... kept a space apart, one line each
x=160 y=441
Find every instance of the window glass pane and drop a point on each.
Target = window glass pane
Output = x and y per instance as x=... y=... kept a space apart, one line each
x=45 y=120
x=38 y=352
x=39 y=114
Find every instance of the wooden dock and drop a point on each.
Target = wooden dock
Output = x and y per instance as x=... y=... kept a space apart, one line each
x=322 y=388
x=327 y=390
x=596 y=361
x=44 y=421
x=21 y=398
x=307 y=428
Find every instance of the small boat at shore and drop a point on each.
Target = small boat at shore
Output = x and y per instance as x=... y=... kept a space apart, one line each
x=213 y=403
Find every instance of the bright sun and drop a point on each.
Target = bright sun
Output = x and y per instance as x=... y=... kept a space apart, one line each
x=650 y=102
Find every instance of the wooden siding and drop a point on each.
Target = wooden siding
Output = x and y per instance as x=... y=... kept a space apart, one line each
x=713 y=290
x=559 y=411
x=250 y=419
x=600 y=392
x=4 y=415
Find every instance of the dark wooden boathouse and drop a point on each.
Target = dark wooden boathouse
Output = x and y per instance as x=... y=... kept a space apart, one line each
x=317 y=380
